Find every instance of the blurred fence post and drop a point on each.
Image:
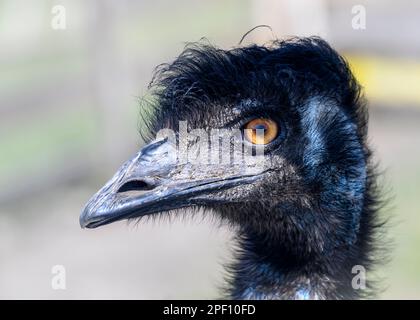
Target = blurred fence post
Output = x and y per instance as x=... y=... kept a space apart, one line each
x=107 y=82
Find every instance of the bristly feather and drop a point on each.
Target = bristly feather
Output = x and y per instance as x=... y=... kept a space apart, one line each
x=304 y=245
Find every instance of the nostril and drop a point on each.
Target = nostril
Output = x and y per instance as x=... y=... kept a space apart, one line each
x=135 y=185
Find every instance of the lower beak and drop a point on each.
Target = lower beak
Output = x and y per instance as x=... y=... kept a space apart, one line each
x=145 y=185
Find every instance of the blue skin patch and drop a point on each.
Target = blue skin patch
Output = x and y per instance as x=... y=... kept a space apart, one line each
x=303 y=294
x=254 y=294
x=258 y=290
x=310 y=120
x=314 y=116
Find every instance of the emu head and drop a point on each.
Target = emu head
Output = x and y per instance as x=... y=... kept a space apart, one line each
x=300 y=175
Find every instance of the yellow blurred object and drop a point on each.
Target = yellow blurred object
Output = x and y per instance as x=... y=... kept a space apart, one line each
x=388 y=80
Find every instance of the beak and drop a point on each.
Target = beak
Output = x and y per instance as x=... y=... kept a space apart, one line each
x=154 y=181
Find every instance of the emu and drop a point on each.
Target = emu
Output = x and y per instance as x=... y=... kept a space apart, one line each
x=306 y=212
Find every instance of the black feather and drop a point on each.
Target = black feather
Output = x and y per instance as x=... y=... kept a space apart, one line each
x=303 y=229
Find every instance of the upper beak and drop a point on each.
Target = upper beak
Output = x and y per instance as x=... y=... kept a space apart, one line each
x=154 y=181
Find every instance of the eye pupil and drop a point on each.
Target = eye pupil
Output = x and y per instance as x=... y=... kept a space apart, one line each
x=261 y=131
x=260 y=127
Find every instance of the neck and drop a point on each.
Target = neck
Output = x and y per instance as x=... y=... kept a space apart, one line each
x=311 y=249
x=267 y=270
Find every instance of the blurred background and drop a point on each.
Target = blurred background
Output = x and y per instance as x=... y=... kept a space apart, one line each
x=69 y=118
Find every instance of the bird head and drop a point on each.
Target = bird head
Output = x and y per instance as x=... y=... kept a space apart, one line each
x=271 y=138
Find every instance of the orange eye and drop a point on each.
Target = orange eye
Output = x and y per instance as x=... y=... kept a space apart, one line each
x=261 y=131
